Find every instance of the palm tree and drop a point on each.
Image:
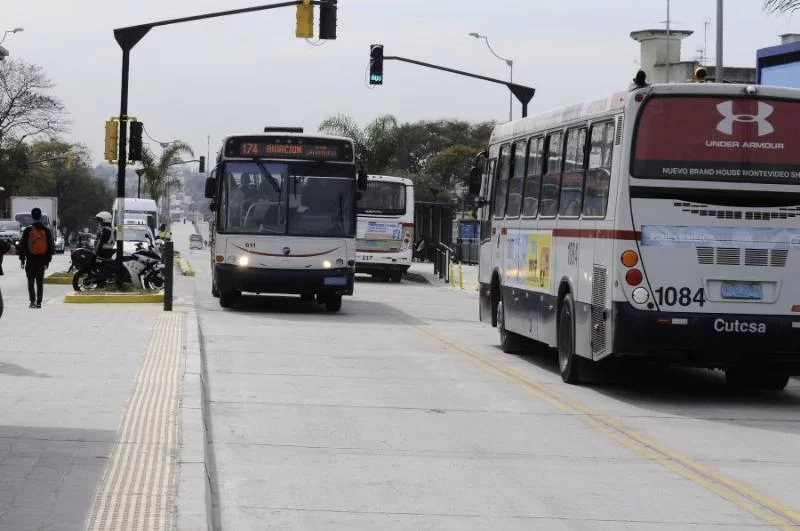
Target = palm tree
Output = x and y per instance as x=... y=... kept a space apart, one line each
x=157 y=183
x=781 y=6
x=376 y=144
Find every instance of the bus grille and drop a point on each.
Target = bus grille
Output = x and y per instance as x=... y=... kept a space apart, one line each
x=733 y=256
x=598 y=308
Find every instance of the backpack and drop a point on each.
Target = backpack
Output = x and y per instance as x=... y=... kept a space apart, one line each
x=37 y=241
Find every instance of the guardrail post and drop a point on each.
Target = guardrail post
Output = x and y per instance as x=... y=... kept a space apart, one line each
x=460 y=277
x=447 y=267
x=169 y=268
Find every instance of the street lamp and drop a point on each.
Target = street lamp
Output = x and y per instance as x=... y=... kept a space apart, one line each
x=510 y=64
x=5 y=35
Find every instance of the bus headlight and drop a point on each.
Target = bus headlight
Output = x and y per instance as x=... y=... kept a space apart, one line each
x=244 y=261
x=640 y=295
x=326 y=264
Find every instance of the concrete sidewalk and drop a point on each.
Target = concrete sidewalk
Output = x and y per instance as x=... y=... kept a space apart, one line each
x=464 y=278
x=89 y=413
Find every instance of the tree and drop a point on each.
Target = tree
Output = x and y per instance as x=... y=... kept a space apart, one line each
x=375 y=144
x=156 y=181
x=418 y=142
x=781 y=6
x=26 y=110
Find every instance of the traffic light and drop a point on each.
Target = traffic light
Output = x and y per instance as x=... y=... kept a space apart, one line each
x=305 y=21
x=202 y=164
x=376 y=64
x=327 y=19
x=135 y=146
x=112 y=140
x=69 y=159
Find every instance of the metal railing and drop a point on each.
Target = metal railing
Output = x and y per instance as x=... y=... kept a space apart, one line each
x=441 y=261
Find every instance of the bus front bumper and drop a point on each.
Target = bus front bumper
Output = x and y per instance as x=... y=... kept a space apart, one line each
x=706 y=339
x=229 y=277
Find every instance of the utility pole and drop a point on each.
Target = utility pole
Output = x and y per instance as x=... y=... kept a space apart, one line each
x=718 y=70
x=669 y=44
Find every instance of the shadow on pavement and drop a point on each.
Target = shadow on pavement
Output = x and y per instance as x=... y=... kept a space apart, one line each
x=12 y=369
x=682 y=391
x=49 y=475
x=353 y=310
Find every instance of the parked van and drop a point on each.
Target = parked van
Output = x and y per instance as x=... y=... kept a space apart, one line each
x=145 y=209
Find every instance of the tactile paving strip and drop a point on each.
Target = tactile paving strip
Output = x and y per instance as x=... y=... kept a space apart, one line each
x=138 y=485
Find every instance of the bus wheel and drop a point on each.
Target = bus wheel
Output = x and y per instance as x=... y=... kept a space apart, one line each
x=569 y=362
x=333 y=303
x=227 y=299
x=214 y=290
x=509 y=341
x=764 y=379
x=396 y=276
x=307 y=297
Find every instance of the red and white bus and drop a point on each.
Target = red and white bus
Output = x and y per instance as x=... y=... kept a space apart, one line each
x=660 y=222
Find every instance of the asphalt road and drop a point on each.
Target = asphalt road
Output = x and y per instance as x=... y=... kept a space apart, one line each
x=401 y=412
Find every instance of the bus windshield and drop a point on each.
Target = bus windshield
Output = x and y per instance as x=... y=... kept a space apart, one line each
x=730 y=139
x=288 y=198
x=383 y=198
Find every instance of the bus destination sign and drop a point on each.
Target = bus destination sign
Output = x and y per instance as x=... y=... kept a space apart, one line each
x=311 y=149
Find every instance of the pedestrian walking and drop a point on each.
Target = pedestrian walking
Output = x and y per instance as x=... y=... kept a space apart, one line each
x=35 y=253
x=5 y=247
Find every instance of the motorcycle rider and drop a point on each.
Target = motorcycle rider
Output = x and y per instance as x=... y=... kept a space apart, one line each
x=163 y=233
x=106 y=239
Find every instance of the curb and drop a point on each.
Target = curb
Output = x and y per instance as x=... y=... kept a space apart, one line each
x=183 y=265
x=51 y=279
x=103 y=298
x=193 y=500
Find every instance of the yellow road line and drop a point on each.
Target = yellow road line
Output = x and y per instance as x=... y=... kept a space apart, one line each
x=759 y=505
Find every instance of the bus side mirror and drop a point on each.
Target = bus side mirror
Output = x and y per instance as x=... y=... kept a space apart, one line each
x=211 y=187
x=362 y=179
x=475 y=181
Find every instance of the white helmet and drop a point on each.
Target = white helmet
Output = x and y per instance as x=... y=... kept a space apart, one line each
x=103 y=217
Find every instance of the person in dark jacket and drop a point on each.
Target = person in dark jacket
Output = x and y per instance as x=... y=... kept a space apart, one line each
x=35 y=253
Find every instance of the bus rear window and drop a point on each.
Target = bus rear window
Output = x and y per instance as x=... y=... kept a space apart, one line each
x=733 y=139
x=383 y=198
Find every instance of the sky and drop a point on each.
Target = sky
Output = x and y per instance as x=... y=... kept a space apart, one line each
x=209 y=79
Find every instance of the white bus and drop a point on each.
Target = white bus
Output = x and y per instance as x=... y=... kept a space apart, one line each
x=385 y=236
x=285 y=217
x=662 y=222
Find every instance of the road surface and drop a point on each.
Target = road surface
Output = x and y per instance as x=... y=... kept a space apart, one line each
x=401 y=412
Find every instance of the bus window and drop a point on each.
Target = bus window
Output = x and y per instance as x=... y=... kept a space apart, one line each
x=598 y=177
x=551 y=182
x=486 y=225
x=501 y=186
x=533 y=180
x=572 y=181
x=517 y=180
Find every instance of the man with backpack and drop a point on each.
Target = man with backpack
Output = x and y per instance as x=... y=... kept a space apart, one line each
x=35 y=253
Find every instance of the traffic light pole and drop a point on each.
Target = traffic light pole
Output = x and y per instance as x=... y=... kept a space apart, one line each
x=523 y=94
x=127 y=38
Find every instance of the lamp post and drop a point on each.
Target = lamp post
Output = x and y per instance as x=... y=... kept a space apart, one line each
x=719 y=67
x=5 y=35
x=510 y=64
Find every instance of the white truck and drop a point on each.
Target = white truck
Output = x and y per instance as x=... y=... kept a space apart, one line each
x=21 y=207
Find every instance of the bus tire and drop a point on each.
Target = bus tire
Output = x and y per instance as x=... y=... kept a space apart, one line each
x=396 y=276
x=569 y=363
x=227 y=299
x=762 y=379
x=333 y=303
x=509 y=341
x=214 y=290
x=307 y=297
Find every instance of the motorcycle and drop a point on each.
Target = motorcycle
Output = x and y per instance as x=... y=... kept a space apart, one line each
x=142 y=269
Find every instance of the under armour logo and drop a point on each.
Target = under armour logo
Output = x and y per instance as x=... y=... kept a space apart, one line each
x=764 y=111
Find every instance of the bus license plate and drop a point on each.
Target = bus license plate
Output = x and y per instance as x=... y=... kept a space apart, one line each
x=742 y=291
x=336 y=281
